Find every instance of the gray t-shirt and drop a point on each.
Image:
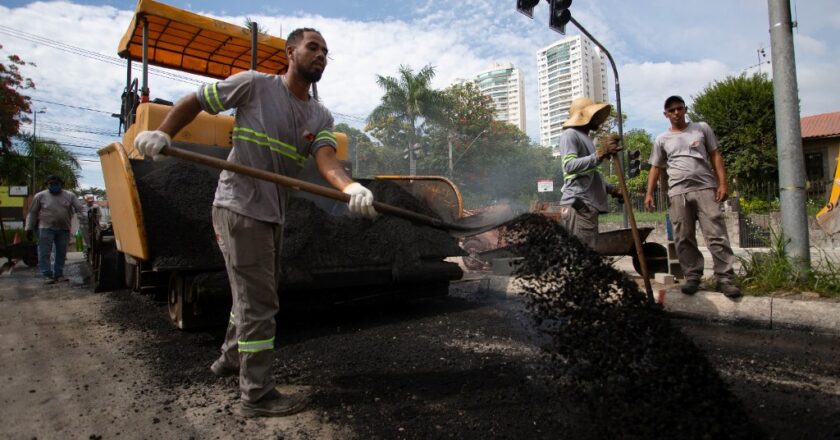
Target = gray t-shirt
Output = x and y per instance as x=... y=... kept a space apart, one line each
x=686 y=155
x=580 y=171
x=53 y=211
x=273 y=131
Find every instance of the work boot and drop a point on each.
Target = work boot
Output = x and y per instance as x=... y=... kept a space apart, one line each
x=690 y=287
x=62 y=279
x=219 y=369
x=728 y=289
x=275 y=404
x=49 y=280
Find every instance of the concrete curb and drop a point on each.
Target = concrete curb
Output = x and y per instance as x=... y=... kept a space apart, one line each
x=767 y=312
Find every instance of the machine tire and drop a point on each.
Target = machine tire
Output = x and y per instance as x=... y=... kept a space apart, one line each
x=656 y=257
x=108 y=267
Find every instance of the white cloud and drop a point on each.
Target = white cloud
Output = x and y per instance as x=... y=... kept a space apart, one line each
x=645 y=87
x=661 y=47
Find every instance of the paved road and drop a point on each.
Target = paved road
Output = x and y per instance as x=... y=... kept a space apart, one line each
x=82 y=365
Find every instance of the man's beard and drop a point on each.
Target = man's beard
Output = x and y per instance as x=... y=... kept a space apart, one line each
x=309 y=75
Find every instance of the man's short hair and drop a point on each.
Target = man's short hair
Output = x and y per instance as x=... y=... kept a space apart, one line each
x=54 y=178
x=673 y=99
x=296 y=35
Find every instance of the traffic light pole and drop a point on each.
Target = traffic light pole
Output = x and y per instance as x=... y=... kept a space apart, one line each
x=617 y=163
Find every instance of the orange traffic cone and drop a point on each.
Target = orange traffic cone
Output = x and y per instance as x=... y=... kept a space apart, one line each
x=16 y=239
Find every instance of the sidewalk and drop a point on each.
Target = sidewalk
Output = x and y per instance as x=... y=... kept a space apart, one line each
x=818 y=315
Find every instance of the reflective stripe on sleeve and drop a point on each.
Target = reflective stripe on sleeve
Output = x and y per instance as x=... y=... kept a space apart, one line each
x=256 y=346
x=326 y=136
x=275 y=145
x=232 y=320
x=214 y=102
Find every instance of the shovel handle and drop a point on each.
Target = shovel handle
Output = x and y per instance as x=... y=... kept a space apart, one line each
x=300 y=185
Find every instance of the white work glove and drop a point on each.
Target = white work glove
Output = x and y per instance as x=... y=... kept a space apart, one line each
x=361 y=200
x=149 y=143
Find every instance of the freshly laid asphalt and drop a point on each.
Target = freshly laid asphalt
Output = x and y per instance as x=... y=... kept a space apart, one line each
x=795 y=311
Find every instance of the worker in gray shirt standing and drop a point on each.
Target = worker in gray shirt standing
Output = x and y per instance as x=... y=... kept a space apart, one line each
x=696 y=188
x=51 y=214
x=584 y=192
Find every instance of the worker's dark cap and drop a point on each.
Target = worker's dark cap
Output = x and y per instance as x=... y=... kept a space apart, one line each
x=672 y=99
x=54 y=178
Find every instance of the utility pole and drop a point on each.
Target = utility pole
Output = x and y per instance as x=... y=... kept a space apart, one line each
x=789 y=135
x=34 y=143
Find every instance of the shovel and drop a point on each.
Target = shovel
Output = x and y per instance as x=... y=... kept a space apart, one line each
x=465 y=227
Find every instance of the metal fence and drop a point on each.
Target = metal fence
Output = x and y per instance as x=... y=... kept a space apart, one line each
x=758 y=204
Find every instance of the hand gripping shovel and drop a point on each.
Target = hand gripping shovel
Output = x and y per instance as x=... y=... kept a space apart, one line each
x=465 y=227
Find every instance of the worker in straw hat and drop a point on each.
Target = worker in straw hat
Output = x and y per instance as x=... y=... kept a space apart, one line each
x=584 y=192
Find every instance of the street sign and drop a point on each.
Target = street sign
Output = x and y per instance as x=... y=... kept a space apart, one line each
x=545 y=185
x=18 y=191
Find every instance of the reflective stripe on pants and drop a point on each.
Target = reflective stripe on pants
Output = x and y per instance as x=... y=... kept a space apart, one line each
x=251 y=249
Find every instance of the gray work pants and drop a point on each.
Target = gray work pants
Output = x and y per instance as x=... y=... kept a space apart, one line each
x=251 y=249
x=686 y=209
x=583 y=223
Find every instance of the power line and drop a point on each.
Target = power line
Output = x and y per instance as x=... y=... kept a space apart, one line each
x=75 y=50
x=72 y=106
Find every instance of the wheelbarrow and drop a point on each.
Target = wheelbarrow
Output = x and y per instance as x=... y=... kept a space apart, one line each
x=614 y=243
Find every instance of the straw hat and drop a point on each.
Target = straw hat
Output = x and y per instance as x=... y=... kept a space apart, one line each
x=583 y=110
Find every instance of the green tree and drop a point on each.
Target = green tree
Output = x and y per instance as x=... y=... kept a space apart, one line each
x=13 y=104
x=740 y=110
x=367 y=157
x=409 y=101
x=50 y=159
x=639 y=139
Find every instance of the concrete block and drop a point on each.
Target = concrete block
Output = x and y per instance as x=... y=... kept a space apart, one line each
x=814 y=315
x=716 y=306
x=664 y=278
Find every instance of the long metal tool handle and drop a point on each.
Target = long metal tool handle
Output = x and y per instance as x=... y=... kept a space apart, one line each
x=301 y=185
x=637 y=240
x=628 y=209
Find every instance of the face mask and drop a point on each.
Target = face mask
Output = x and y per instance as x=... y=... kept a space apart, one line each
x=55 y=188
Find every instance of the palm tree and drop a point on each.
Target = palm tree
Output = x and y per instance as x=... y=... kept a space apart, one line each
x=408 y=99
x=50 y=159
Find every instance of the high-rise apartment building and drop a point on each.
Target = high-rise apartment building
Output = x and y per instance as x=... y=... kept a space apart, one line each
x=503 y=83
x=567 y=69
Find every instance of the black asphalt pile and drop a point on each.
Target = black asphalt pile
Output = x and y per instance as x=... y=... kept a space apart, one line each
x=177 y=201
x=335 y=242
x=636 y=375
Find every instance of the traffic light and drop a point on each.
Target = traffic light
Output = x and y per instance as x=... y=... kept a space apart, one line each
x=634 y=165
x=527 y=7
x=559 y=15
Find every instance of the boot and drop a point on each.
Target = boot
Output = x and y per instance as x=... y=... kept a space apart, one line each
x=275 y=404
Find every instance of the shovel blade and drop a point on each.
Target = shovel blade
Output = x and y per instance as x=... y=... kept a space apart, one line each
x=490 y=218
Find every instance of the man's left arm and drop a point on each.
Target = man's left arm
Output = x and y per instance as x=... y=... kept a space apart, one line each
x=722 y=192
x=361 y=198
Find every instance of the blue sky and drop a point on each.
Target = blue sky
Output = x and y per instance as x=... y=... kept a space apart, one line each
x=661 y=48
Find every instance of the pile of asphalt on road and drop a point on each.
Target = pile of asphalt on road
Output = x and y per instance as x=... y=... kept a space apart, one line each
x=636 y=374
x=177 y=200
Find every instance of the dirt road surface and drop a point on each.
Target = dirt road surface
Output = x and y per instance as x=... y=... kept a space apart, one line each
x=99 y=366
